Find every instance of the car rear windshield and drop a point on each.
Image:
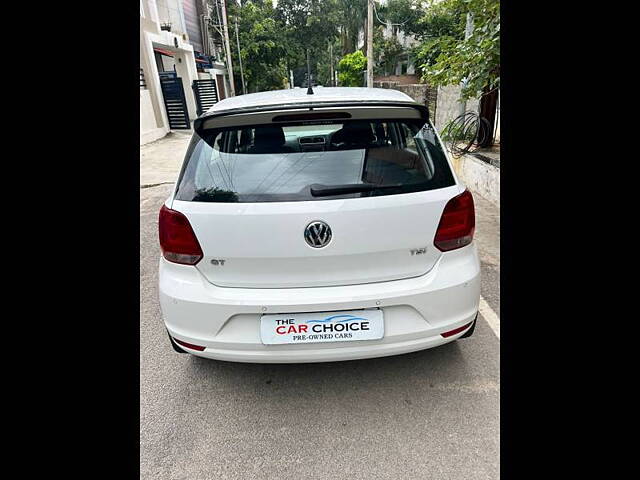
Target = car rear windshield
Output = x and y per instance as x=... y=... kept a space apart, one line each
x=313 y=161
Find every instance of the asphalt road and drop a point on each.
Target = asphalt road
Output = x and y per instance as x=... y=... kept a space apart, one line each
x=432 y=414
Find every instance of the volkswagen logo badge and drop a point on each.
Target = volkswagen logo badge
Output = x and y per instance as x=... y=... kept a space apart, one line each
x=318 y=234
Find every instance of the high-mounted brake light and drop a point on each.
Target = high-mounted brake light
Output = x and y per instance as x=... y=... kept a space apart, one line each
x=457 y=224
x=177 y=240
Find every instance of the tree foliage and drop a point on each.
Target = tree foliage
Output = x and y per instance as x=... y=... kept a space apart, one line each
x=452 y=59
x=307 y=24
x=351 y=69
x=323 y=62
x=274 y=40
x=441 y=19
x=405 y=14
x=352 y=17
x=386 y=53
x=442 y=23
x=262 y=46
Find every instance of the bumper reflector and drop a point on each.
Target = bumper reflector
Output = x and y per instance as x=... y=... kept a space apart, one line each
x=456 y=330
x=189 y=345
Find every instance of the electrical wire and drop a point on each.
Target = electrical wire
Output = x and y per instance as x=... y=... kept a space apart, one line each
x=375 y=10
x=465 y=133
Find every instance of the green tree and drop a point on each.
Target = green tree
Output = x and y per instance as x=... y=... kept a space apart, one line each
x=262 y=46
x=352 y=17
x=323 y=61
x=442 y=23
x=405 y=14
x=351 y=69
x=450 y=59
x=307 y=24
x=386 y=53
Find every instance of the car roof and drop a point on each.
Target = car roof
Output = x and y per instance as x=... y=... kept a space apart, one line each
x=295 y=96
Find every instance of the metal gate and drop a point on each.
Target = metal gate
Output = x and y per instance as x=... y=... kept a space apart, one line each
x=206 y=94
x=174 y=102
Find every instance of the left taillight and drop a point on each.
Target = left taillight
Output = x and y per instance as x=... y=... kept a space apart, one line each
x=177 y=240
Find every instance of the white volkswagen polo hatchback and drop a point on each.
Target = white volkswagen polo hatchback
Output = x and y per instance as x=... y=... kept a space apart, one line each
x=317 y=227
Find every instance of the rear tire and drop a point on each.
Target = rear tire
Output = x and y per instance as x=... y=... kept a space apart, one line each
x=469 y=332
x=175 y=346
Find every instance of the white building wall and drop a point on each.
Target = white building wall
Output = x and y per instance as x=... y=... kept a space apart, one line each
x=449 y=106
x=149 y=129
x=149 y=10
x=407 y=41
x=185 y=63
x=153 y=13
x=170 y=11
x=220 y=70
x=152 y=36
x=153 y=118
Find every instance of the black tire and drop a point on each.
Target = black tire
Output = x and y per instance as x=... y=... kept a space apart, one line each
x=469 y=332
x=175 y=346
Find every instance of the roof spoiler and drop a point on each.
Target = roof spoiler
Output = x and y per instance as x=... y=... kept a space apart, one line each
x=198 y=123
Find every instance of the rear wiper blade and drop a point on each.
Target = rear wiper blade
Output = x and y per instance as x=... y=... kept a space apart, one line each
x=318 y=190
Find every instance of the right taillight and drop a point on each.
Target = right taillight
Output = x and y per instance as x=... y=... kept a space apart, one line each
x=177 y=240
x=457 y=223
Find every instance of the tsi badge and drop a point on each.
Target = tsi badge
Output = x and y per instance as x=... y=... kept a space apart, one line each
x=418 y=251
x=217 y=261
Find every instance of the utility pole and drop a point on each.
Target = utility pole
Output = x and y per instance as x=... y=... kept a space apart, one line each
x=228 y=50
x=468 y=31
x=244 y=87
x=309 y=89
x=331 y=64
x=370 y=43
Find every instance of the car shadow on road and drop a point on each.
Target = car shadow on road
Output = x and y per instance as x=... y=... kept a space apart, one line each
x=385 y=376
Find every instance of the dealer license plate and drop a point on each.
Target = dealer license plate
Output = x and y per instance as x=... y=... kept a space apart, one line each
x=347 y=326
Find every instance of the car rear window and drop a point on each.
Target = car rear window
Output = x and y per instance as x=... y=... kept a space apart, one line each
x=313 y=161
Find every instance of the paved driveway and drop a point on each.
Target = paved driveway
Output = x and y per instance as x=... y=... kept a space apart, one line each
x=431 y=414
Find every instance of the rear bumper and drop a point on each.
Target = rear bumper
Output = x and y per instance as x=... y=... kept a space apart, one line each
x=226 y=321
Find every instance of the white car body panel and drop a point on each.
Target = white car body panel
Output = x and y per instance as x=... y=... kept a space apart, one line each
x=292 y=96
x=270 y=269
x=262 y=244
x=227 y=320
